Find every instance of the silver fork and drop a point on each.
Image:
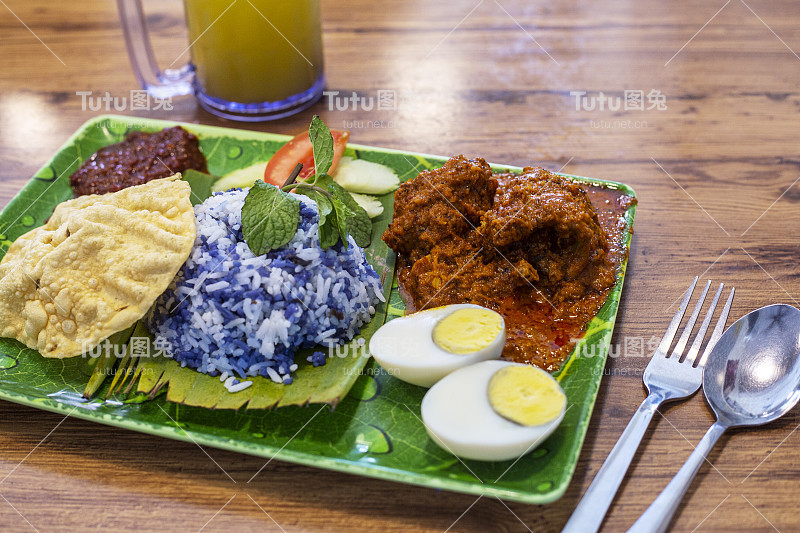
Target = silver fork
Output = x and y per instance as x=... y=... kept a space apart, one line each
x=668 y=376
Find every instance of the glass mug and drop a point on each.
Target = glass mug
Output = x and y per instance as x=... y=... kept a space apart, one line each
x=251 y=60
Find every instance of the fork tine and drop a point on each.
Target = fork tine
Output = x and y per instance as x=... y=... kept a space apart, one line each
x=701 y=333
x=666 y=340
x=687 y=330
x=718 y=329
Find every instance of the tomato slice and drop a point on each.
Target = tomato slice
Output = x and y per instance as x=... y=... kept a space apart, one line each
x=300 y=150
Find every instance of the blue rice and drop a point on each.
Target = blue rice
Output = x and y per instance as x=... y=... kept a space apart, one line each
x=229 y=313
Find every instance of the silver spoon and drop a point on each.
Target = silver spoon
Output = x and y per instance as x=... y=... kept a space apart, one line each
x=751 y=378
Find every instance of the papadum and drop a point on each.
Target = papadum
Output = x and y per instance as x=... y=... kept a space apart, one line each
x=95 y=267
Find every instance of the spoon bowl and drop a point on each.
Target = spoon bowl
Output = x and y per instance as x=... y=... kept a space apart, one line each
x=753 y=372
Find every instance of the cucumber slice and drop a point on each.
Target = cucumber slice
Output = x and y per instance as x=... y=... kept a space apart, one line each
x=241 y=178
x=371 y=205
x=360 y=176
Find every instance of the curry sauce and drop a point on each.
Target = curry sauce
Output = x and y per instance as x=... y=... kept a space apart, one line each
x=539 y=248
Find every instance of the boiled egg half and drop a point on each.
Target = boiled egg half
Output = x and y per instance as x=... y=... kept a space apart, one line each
x=422 y=348
x=493 y=410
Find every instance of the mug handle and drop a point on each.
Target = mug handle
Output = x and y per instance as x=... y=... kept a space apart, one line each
x=160 y=84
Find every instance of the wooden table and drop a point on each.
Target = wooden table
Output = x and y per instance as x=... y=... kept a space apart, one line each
x=715 y=169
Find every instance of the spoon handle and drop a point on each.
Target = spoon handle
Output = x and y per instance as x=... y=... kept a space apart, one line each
x=591 y=510
x=658 y=516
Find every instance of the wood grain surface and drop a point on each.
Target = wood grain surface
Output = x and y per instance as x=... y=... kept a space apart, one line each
x=715 y=172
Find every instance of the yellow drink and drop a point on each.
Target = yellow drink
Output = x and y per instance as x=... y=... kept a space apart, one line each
x=255 y=51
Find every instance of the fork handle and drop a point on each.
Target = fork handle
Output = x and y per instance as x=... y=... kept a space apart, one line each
x=591 y=510
x=658 y=516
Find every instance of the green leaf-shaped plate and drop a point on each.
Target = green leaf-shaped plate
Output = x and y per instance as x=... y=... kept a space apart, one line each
x=374 y=431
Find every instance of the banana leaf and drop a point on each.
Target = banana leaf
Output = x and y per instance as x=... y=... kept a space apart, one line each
x=151 y=376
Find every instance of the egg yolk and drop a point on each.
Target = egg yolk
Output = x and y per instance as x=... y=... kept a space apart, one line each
x=525 y=395
x=467 y=330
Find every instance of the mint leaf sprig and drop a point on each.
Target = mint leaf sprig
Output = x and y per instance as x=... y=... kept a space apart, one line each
x=269 y=218
x=270 y=214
